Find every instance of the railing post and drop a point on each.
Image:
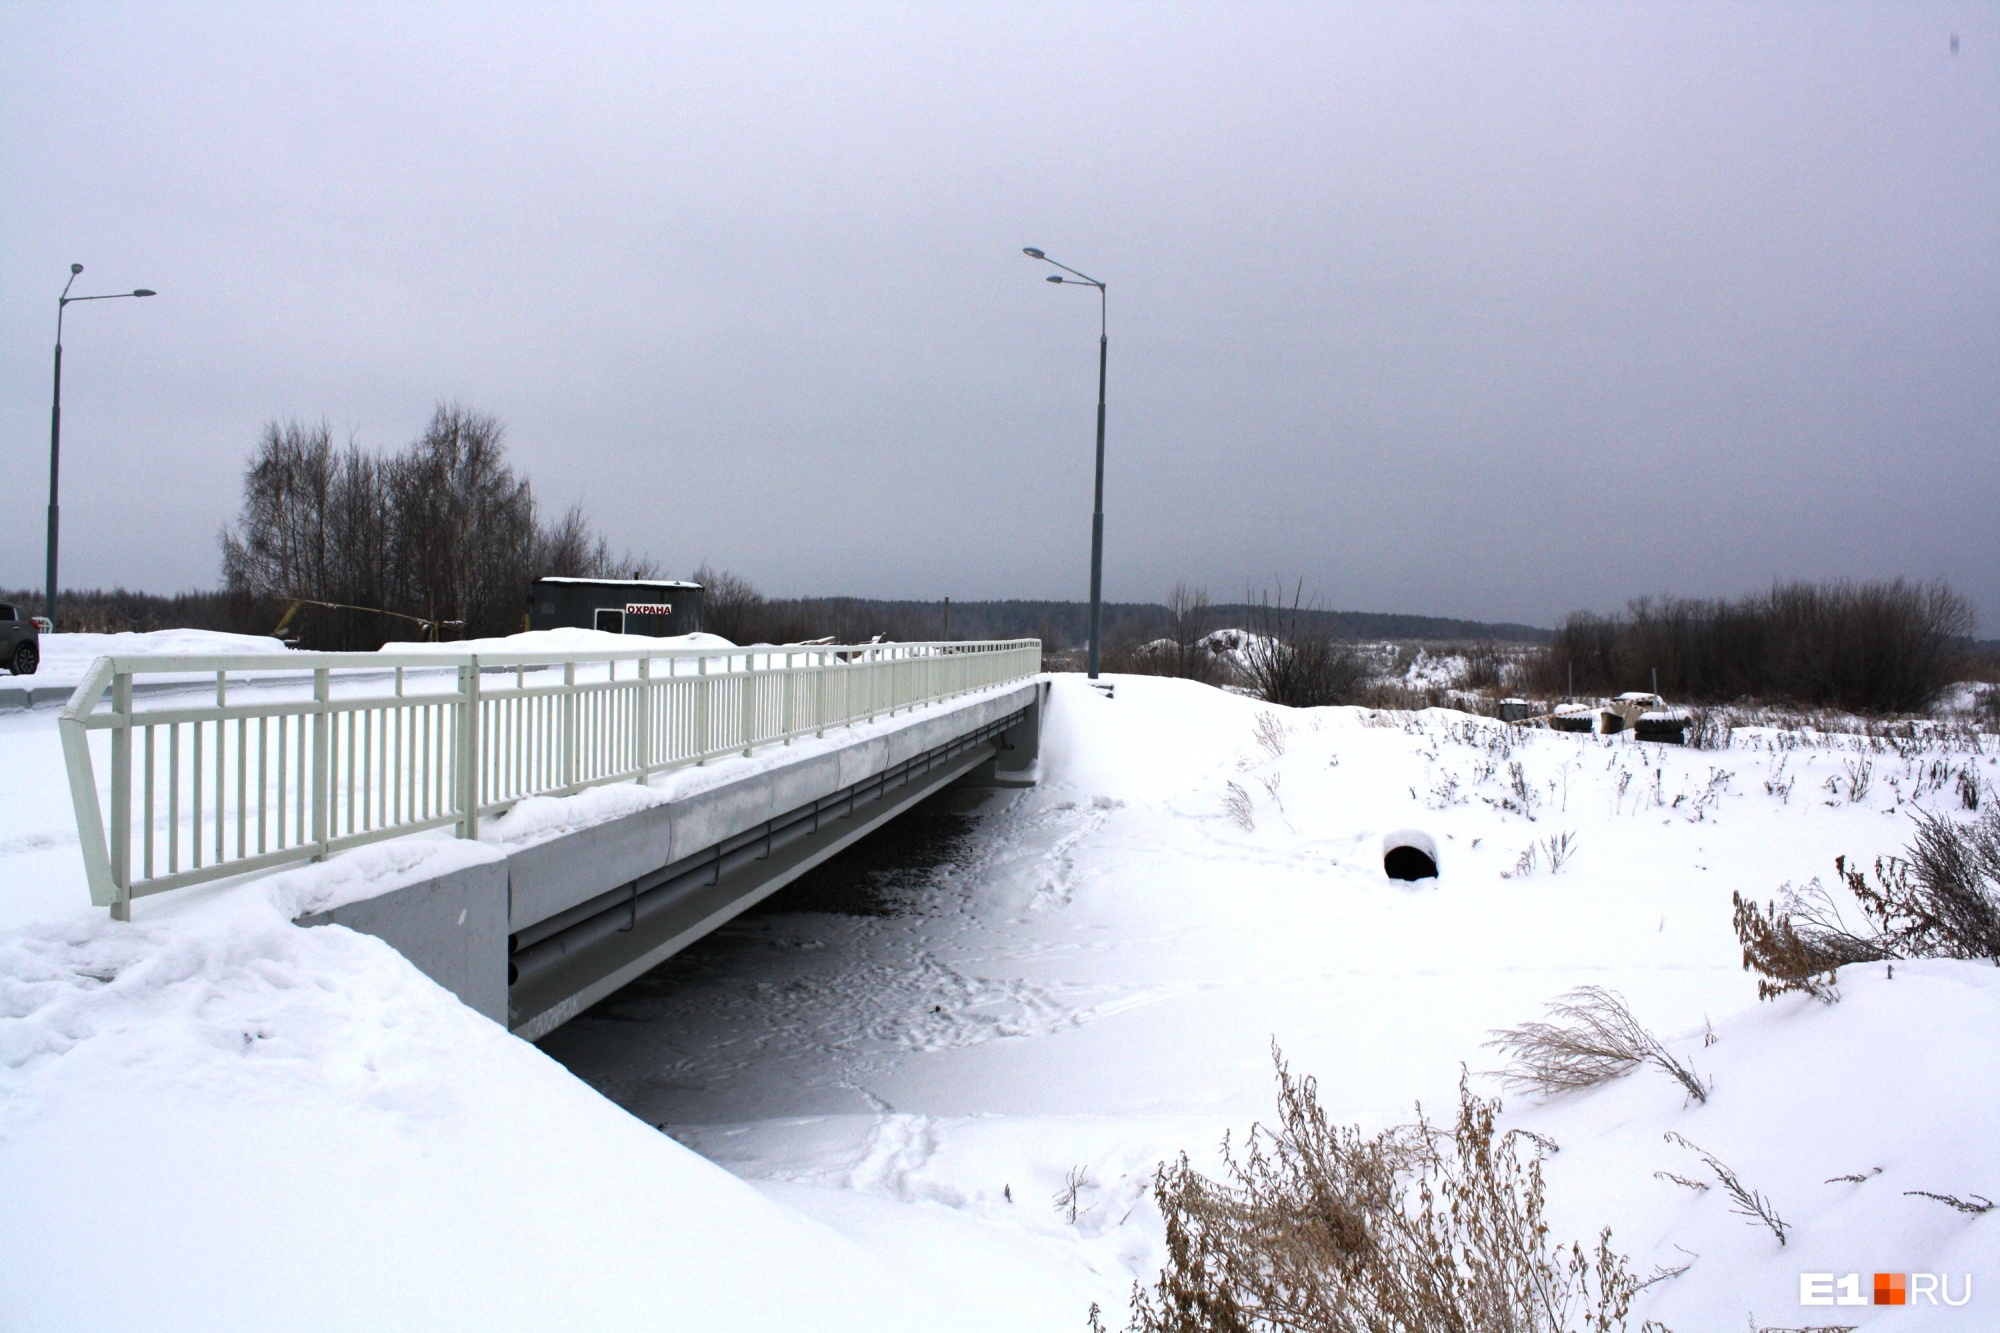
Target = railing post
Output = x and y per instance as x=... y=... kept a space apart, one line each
x=642 y=719
x=819 y=695
x=749 y=701
x=701 y=688
x=121 y=797
x=568 y=725
x=468 y=750
x=785 y=715
x=322 y=767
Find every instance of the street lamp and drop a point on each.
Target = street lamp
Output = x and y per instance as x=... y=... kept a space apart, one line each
x=55 y=426
x=1097 y=510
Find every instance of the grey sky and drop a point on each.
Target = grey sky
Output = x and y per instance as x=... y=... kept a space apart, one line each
x=1475 y=310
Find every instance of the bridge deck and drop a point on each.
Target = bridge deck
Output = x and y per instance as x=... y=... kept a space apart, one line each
x=534 y=939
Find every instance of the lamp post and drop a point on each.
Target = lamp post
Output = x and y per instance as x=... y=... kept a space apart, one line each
x=55 y=427
x=1097 y=509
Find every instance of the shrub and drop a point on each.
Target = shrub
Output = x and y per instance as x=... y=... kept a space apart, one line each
x=1797 y=942
x=1414 y=1229
x=1940 y=899
x=1291 y=657
x=1485 y=666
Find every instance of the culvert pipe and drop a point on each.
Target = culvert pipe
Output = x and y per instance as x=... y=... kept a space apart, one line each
x=1409 y=854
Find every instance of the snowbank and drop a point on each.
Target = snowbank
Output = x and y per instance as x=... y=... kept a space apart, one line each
x=563 y=641
x=67 y=657
x=1835 y=1114
x=261 y=1126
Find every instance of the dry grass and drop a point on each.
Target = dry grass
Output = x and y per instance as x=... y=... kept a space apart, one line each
x=1973 y=1206
x=1743 y=1201
x=1590 y=1038
x=1270 y=732
x=1413 y=1230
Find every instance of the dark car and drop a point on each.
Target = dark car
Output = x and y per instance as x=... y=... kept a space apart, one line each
x=20 y=641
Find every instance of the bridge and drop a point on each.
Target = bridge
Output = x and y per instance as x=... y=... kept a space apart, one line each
x=758 y=764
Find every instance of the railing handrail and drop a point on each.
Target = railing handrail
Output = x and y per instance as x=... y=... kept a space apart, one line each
x=385 y=764
x=187 y=663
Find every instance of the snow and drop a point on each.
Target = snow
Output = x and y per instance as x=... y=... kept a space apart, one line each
x=868 y=1118
x=66 y=658
x=1095 y=984
x=254 y=1125
x=565 y=640
x=619 y=583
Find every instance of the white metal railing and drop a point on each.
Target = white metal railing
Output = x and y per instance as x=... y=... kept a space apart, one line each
x=326 y=751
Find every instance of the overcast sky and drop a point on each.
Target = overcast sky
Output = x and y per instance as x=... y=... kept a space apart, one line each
x=1483 y=311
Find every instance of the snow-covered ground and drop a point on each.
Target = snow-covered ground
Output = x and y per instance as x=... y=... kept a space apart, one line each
x=253 y=1124
x=66 y=657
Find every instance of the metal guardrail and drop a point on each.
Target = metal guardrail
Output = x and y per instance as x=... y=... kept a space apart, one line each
x=359 y=747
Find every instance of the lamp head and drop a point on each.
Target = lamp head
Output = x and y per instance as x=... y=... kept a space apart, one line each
x=1028 y=250
x=145 y=291
x=75 y=269
x=1053 y=277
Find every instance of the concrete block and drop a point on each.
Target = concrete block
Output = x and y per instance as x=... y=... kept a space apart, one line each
x=552 y=876
x=863 y=759
x=453 y=928
x=706 y=818
x=806 y=780
x=20 y=693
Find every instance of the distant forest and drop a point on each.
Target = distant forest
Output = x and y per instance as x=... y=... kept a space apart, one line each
x=1063 y=625
x=350 y=549
x=1060 y=625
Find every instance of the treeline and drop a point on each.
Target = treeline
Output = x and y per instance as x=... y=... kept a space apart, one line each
x=121 y=611
x=1877 y=648
x=1884 y=647
x=1144 y=622
x=735 y=609
x=439 y=541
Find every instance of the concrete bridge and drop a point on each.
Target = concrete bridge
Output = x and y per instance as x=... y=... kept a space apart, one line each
x=353 y=748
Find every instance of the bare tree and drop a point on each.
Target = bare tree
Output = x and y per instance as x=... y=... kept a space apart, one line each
x=281 y=548
x=444 y=533
x=1293 y=659
x=1188 y=625
x=464 y=525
